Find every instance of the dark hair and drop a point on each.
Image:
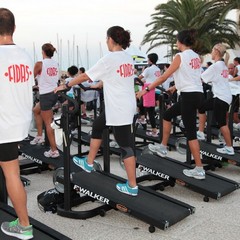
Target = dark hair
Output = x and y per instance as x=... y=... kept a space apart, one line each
x=73 y=70
x=82 y=69
x=49 y=49
x=119 y=36
x=187 y=37
x=209 y=63
x=7 y=22
x=153 y=57
x=237 y=59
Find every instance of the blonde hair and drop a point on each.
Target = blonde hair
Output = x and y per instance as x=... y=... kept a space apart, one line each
x=221 y=48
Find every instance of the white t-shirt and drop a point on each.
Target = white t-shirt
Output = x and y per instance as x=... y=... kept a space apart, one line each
x=116 y=70
x=70 y=92
x=188 y=76
x=150 y=74
x=16 y=96
x=89 y=95
x=49 y=76
x=217 y=74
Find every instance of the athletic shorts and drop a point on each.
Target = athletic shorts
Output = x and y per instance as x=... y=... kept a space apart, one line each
x=8 y=151
x=47 y=101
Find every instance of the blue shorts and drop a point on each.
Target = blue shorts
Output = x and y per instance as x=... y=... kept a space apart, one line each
x=8 y=151
x=47 y=101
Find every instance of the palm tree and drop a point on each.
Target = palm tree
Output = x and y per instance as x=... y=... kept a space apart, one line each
x=202 y=15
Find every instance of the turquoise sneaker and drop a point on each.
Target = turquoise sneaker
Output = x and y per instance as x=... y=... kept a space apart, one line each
x=125 y=188
x=16 y=230
x=82 y=163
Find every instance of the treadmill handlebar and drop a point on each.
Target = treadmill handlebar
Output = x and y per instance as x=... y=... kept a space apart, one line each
x=70 y=99
x=88 y=88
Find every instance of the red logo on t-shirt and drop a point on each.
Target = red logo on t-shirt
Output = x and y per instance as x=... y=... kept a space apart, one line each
x=157 y=74
x=18 y=73
x=126 y=70
x=195 y=63
x=225 y=73
x=52 y=72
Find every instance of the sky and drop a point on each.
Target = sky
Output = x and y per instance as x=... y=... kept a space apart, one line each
x=77 y=29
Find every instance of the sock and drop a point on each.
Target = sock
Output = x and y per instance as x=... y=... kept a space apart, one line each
x=199 y=168
x=163 y=146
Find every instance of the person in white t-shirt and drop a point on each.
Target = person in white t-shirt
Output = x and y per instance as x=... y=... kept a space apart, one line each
x=235 y=100
x=16 y=71
x=72 y=72
x=217 y=74
x=149 y=75
x=116 y=71
x=47 y=74
x=186 y=70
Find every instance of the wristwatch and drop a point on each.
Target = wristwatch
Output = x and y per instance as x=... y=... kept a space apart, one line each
x=147 y=89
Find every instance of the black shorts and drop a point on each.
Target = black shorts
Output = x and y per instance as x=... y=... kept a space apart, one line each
x=47 y=101
x=8 y=151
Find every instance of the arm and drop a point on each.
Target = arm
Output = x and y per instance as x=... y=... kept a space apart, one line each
x=98 y=85
x=172 y=68
x=77 y=80
x=235 y=78
x=37 y=68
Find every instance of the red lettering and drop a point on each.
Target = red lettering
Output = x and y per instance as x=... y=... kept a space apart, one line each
x=195 y=63
x=52 y=72
x=126 y=70
x=225 y=73
x=157 y=73
x=18 y=73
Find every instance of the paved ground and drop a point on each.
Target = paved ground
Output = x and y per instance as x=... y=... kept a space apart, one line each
x=217 y=219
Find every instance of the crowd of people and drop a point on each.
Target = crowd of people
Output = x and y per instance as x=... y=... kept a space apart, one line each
x=116 y=73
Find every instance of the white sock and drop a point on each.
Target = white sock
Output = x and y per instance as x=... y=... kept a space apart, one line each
x=199 y=168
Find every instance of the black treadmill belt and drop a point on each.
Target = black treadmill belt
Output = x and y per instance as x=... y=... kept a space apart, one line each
x=40 y=231
x=149 y=206
x=209 y=149
x=35 y=153
x=213 y=186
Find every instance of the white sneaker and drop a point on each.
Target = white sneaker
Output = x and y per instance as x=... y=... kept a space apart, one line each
x=51 y=154
x=194 y=173
x=236 y=126
x=75 y=131
x=160 y=150
x=200 y=135
x=114 y=144
x=226 y=150
x=37 y=140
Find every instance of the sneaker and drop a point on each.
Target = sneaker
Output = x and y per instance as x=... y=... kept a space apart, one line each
x=200 y=135
x=125 y=188
x=194 y=173
x=160 y=150
x=16 y=230
x=141 y=121
x=51 y=154
x=114 y=144
x=37 y=140
x=82 y=163
x=181 y=125
x=226 y=150
x=75 y=132
x=236 y=126
x=152 y=134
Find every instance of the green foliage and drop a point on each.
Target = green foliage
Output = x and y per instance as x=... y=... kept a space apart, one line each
x=207 y=17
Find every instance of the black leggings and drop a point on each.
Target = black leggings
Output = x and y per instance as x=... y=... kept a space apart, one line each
x=187 y=106
x=150 y=110
x=220 y=109
x=122 y=134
